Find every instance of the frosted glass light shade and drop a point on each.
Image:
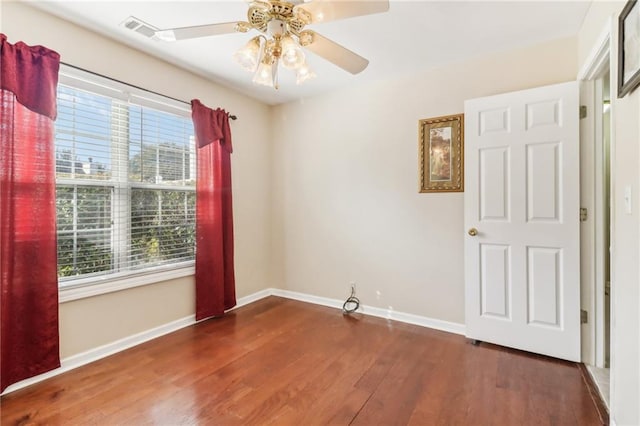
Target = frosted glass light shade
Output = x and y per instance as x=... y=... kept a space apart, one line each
x=264 y=75
x=304 y=73
x=249 y=55
x=292 y=55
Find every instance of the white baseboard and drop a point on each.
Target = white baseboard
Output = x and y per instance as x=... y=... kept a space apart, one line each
x=309 y=298
x=450 y=327
x=252 y=298
x=100 y=352
x=103 y=351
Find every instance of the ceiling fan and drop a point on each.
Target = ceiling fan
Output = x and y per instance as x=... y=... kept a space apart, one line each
x=281 y=25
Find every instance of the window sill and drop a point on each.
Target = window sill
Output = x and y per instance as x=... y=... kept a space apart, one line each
x=106 y=285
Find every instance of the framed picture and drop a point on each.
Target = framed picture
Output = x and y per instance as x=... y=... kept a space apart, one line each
x=629 y=48
x=441 y=151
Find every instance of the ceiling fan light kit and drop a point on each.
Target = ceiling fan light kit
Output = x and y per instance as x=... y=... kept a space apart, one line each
x=292 y=56
x=249 y=56
x=303 y=74
x=283 y=35
x=267 y=74
x=262 y=55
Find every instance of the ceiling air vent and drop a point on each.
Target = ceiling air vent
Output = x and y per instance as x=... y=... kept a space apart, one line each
x=135 y=24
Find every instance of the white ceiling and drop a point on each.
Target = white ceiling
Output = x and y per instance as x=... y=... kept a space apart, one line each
x=412 y=36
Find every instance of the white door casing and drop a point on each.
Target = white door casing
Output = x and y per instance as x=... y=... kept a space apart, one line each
x=522 y=269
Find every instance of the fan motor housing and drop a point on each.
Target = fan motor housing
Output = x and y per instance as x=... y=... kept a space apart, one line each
x=276 y=27
x=282 y=9
x=262 y=13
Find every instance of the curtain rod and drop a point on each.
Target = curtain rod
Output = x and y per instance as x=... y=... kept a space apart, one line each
x=231 y=116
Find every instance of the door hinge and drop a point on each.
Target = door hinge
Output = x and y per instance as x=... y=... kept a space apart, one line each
x=584 y=316
x=583 y=111
x=583 y=214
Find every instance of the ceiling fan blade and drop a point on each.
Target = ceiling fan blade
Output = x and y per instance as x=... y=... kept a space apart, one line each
x=332 y=10
x=333 y=52
x=197 y=31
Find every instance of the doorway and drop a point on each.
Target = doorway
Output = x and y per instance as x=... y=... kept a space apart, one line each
x=597 y=146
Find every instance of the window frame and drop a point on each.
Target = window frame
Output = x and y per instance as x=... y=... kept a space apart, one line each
x=94 y=285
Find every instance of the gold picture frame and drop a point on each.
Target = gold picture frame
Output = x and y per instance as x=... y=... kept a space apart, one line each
x=441 y=152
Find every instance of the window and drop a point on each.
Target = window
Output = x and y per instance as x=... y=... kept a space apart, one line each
x=125 y=180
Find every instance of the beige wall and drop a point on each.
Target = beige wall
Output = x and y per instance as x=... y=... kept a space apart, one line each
x=346 y=183
x=625 y=269
x=88 y=323
x=593 y=25
x=92 y=322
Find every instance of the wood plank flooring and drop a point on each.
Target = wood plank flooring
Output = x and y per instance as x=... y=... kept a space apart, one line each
x=283 y=362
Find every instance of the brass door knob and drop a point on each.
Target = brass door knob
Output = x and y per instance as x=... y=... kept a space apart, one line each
x=473 y=232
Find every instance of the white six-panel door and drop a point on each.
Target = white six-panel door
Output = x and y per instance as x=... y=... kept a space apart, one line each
x=522 y=266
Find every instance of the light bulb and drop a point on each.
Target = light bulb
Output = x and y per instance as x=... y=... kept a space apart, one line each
x=264 y=75
x=292 y=55
x=304 y=73
x=249 y=55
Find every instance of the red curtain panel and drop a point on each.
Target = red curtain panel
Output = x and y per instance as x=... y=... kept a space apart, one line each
x=215 y=278
x=29 y=341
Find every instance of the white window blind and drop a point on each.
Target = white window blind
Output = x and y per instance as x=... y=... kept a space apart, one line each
x=125 y=178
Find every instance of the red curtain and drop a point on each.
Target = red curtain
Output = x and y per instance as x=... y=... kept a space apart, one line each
x=215 y=279
x=29 y=342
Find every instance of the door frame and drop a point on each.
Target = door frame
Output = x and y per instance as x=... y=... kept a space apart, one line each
x=592 y=194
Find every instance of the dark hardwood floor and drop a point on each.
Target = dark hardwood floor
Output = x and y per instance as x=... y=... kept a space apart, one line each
x=282 y=362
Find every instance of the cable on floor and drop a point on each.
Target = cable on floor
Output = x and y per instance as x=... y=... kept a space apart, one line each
x=352 y=303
